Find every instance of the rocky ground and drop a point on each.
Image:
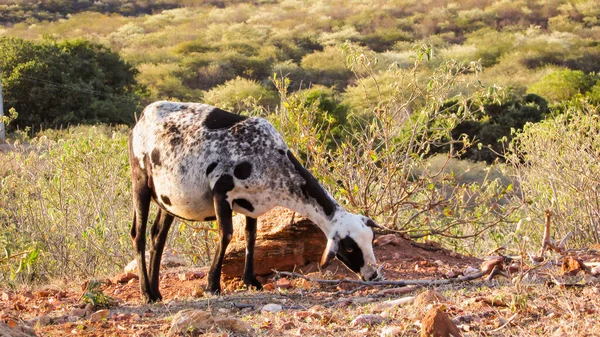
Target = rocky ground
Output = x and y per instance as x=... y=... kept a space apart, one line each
x=549 y=298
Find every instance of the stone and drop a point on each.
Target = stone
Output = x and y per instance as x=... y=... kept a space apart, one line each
x=367 y=319
x=40 y=321
x=392 y=331
x=277 y=244
x=78 y=312
x=233 y=324
x=197 y=320
x=571 y=266
x=190 y=319
x=124 y=277
x=99 y=315
x=437 y=324
x=271 y=307
x=428 y=297
x=386 y=239
x=15 y=330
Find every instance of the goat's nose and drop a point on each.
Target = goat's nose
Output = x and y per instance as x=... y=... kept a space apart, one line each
x=372 y=277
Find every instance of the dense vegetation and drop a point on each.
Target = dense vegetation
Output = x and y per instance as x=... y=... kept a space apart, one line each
x=225 y=51
x=366 y=92
x=51 y=84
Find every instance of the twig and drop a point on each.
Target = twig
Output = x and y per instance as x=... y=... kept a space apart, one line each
x=505 y=324
x=397 y=283
x=546 y=240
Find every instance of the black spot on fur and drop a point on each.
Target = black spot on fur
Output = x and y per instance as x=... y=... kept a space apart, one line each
x=220 y=119
x=210 y=218
x=165 y=200
x=224 y=184
x=174 y=134
x=244 y=204
x=155 y=156
x=183 y=169
x=281 y=152
x=312 y=187
x=211 y=167
x=350 y=254
x=242 y=170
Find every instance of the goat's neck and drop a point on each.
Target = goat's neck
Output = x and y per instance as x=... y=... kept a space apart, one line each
x=316 y=214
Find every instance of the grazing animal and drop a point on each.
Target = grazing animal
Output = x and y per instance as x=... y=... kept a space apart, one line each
x=201 y=163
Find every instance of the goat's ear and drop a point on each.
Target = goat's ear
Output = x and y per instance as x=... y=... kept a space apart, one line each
x=329 y=253
x=372 y=224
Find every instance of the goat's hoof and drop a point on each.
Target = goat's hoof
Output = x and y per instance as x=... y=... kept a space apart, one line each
x=254 y=284
x=213 y=290
x=151 y=299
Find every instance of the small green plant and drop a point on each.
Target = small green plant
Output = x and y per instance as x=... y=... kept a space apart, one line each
x=96 y=297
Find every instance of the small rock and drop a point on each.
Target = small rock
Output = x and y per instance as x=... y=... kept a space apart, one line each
x=386 y=240
x=232 y=324
x=190 y=319
x=307 y=314
x=438 y=263
x=124 y=278
x=73 y=319
x=596 y=270
x=15 y=330
x=287 y=325
x=453 y=254
x=571 y=266
x=77 y=312
x=369 y=319
x=437 y=324
x=89 y=308
x=99 y=315
x=40 y=321
x=283 y=283
x=5 y=297
x=271 y=307
x=392 y=331
x=452 y=274
x=428 y=297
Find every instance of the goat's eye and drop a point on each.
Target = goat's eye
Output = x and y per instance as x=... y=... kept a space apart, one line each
x=349 y=250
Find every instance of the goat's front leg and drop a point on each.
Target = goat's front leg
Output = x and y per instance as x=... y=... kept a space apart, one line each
x=224 y=213
x=158 y=234
x=249 y=277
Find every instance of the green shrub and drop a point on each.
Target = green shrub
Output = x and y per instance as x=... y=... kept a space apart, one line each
x=241 y=94
x=559 y=171
x=561 y=85
x=327 y=67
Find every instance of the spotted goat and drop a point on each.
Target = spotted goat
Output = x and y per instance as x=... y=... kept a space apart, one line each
x=201 y=163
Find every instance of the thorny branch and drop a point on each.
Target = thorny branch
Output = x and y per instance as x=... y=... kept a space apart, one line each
x=397 y=283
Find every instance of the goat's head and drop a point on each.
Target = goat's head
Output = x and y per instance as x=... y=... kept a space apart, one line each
x=351 y=241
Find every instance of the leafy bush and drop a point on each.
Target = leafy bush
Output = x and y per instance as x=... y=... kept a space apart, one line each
x=561 y=85
x=558 y=171
x=381 y=168
x=241 y=94
x=65 y=208
x=494 y=123
x=75 y=81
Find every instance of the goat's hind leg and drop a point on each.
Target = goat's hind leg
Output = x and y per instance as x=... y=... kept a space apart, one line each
x=141 y=204
x=249 y=277
x=158 y=233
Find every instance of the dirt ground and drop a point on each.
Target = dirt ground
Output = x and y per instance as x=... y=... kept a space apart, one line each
x=502 y=307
